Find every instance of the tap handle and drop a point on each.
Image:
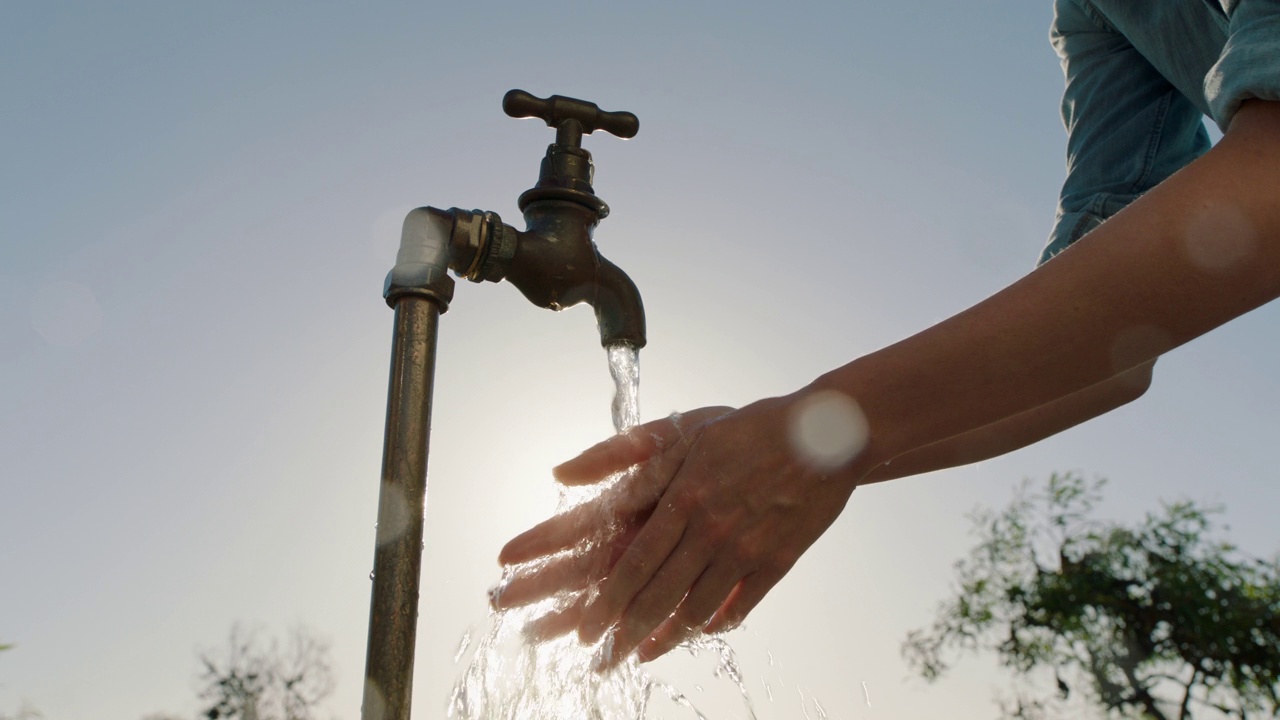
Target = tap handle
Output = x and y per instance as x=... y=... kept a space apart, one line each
x=570 y=117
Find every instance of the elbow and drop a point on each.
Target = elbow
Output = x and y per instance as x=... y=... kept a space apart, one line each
x=1134 y=383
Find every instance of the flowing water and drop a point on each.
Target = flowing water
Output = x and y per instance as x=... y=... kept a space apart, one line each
x=511 y=678
x=624 y=366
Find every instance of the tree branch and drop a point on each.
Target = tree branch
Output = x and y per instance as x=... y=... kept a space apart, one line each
x=1184 y=712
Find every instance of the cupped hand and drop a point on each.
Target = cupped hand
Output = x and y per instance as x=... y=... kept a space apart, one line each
x=717 y=506
x=565 y=555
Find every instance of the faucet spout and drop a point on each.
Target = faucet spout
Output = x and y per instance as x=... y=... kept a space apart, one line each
x=619 y=311
x=554 y=263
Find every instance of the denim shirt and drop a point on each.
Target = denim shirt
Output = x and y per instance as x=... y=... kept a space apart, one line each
x=1140 y=77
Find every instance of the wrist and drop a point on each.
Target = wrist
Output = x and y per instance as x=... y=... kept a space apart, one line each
x=829 y=430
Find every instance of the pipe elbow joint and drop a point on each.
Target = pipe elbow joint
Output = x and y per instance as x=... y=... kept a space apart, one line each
x=422 y=262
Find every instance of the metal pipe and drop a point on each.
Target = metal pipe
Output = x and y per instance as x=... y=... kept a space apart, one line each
x=419 y=288
x=555 y=264
x=397 y=560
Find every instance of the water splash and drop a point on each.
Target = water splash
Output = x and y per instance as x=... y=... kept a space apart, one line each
x=510 y=678
x=462 y=646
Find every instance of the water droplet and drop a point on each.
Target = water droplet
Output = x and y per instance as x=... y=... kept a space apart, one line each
x=462 y=646
x=370 y=574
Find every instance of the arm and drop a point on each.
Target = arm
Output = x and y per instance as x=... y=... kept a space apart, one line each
x=1194 y=253
x=1020 y=430
x=716 y=513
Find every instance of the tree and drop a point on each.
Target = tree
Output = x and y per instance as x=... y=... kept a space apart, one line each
x=1154 y=620
x=246 y=681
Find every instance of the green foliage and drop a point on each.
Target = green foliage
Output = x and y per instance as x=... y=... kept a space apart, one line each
x=1155 y=620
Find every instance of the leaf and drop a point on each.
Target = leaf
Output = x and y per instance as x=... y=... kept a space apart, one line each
x=1122 y=611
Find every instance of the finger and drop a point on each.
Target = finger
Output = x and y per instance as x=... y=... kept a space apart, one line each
x=638 y=564
x=551 y=536
x=607 y=520
x=617 y=453
x=704 y=598
x=633 y=447
x=744 y=599
x=555 y=623
x=573 y=571
x=658 y=600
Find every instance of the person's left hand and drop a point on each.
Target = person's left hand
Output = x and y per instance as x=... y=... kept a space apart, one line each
x=717 y=508
x=569 y=553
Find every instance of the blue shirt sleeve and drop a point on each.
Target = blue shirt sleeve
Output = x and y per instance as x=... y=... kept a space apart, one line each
x=1249 y=66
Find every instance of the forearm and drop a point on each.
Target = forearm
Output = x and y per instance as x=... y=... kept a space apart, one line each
x=1019 y=431
x=1199 y=250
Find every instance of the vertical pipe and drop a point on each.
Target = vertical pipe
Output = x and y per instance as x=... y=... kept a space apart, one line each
x=397 y=559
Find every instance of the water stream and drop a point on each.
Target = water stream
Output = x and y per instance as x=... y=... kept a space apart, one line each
x=511 y=678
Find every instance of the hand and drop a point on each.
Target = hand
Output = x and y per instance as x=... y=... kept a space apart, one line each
x=567 y=554
x=717 y=508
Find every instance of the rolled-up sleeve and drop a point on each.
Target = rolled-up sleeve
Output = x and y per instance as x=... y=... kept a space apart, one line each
x=1128 y=126
x=1249 y=66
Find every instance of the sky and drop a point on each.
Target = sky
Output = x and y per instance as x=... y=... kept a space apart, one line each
x=198 y=205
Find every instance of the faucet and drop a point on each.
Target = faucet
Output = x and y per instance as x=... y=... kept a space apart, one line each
x=555 y=264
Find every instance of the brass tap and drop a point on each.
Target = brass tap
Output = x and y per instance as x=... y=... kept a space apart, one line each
x=554 y=262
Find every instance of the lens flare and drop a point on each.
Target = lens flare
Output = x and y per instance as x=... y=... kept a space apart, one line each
x=827 y=429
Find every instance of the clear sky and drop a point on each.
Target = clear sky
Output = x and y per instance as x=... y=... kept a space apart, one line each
x=198 y=204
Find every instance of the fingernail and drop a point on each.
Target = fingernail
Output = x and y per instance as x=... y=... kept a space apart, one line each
x=555 y=471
